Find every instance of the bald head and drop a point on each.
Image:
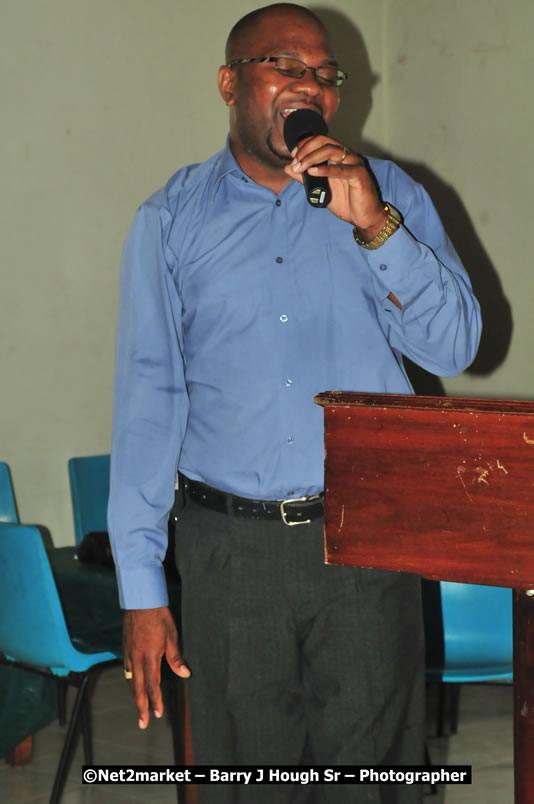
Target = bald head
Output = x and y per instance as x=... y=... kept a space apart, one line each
x=248 y=28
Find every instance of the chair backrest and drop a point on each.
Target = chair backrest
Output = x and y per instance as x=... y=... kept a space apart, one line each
x=477 y=632
x=89 y=489
x=8 y=505
x=32 y=625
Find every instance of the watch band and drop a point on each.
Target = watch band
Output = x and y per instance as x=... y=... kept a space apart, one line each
x=393 y=221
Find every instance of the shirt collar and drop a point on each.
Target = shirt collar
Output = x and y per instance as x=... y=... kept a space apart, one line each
x=227 y=164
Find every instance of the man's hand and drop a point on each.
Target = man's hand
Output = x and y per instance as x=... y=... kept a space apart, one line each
x=149 y=634
x=354 y=193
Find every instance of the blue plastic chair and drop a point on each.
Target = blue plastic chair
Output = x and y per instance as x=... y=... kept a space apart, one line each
x=89 y=487
x=8 y=505
x=475 y=643
x=9 y=513
x=34 y=634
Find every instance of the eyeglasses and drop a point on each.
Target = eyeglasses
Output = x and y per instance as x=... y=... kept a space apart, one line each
x=294 y=68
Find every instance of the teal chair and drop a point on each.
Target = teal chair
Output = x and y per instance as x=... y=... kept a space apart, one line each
x=469 y=635
x=8 y=505
x=89 y=488
x=35 y=635
x=9 y=513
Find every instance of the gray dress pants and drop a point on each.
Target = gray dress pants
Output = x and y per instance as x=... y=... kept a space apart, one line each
x=294 y=662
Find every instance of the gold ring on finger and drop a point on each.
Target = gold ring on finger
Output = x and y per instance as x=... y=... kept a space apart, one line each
x=128 y=675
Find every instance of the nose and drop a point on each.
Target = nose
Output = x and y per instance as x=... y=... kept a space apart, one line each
x=308 y=83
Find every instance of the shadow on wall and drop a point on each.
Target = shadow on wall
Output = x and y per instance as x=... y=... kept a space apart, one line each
x=497 y=319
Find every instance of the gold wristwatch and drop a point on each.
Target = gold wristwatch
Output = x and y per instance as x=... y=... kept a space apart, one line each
x=393 y=222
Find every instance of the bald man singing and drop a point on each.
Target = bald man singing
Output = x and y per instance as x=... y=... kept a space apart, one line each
x=240 y=301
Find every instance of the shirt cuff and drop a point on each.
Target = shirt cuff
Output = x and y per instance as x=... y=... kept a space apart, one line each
x=394 y=262
x=143 y=588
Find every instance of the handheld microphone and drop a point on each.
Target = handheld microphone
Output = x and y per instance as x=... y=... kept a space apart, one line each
x=307 y=123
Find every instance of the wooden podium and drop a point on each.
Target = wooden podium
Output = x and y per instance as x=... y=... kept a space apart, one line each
x=443 y=487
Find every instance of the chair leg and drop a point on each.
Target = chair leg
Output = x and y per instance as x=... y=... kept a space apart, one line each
x=452 y=692
x=86 y=730
x=441 y=708
x=62 y=701
x=63 y=765
x=455 y=707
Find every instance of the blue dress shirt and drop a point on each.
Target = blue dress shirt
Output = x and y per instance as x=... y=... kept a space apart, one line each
x=237 y=307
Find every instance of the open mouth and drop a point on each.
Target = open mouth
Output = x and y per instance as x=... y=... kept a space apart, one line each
x=286 y=112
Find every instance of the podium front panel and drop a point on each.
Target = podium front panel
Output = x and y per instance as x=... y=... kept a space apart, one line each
x=439 y=486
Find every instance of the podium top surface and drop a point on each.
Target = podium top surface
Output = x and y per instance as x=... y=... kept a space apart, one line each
x=436 y=403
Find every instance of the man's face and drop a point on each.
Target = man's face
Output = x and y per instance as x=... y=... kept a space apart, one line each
x=261 y=97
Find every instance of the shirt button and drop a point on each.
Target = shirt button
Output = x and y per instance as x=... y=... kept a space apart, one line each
x=290 y=439
x=289 y=382
x=383 y=267
x=279 y=260
x=278 y=202
x=283 y=318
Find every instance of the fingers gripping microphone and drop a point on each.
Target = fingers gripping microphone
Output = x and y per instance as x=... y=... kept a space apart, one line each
x=307 y=123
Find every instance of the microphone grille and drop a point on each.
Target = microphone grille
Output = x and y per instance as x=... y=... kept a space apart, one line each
x=303 y=123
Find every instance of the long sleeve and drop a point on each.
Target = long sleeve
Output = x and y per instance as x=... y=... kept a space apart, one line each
x=150 y=412
x=439 y=325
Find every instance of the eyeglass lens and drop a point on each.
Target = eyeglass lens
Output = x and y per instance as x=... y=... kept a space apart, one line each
x=297 y=68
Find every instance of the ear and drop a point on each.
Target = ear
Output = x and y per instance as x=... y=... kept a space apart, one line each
x=226 y=82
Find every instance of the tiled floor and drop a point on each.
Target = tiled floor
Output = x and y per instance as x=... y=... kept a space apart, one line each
x=484 y=740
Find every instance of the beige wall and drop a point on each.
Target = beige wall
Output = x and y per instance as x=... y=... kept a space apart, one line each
x=103 y=99
x=458 y=100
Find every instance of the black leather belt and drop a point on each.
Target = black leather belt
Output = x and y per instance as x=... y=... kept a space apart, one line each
x=296 y=511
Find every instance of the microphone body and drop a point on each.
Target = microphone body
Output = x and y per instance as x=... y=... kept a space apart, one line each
x=306 y=123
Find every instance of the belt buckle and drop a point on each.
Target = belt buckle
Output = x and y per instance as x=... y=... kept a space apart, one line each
x=292 y=500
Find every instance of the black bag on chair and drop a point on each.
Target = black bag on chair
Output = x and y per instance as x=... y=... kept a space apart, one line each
x=96 y=549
